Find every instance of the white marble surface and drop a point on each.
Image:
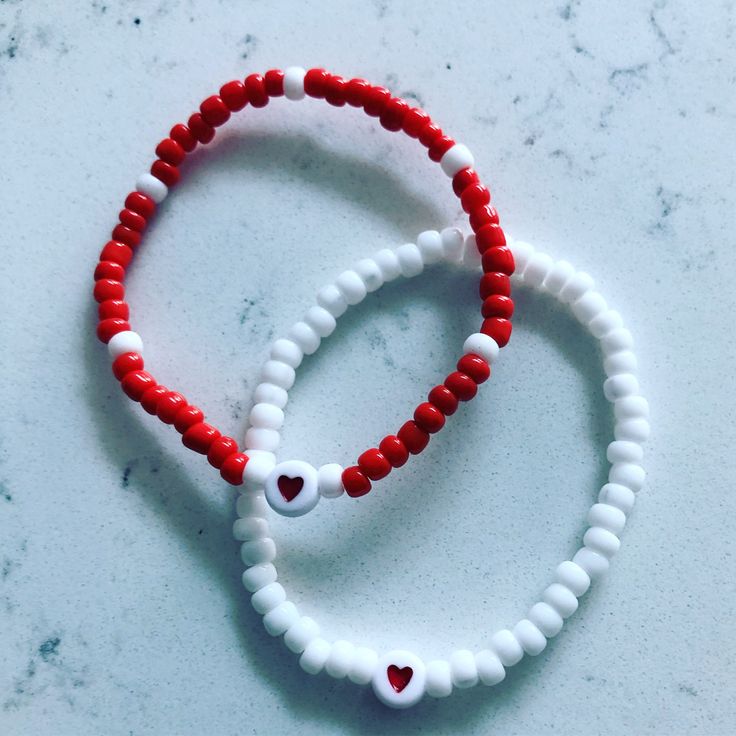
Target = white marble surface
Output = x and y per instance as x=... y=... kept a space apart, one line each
x=607 y=133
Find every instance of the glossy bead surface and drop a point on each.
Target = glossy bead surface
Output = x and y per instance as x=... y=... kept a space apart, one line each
x=355 y=482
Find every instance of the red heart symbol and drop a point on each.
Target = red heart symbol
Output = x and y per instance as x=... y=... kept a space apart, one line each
x=290 y=487
x=399 y=678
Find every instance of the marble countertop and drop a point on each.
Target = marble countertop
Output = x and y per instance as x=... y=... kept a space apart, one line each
x=607 y=133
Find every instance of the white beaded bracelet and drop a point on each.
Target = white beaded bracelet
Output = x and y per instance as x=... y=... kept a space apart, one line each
x=399 y=678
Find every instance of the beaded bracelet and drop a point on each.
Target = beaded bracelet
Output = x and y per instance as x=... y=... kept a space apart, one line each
x=126 y=347
x=400 y=678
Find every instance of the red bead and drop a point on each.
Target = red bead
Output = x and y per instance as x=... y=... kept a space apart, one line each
x=463 y=179
x=170 y=151
x=136 y=383
x=490 y=236
x=415 y=438
x=183 y=136
x=233 y=94
x=335 y=90
x=415 y=121
x=220 y=450
x=140 y=203
x=108 y=289
x=199 y=437
x=200 y=128
x=109 y=270
x=169 y=406
x=255 y=88
x=111 y=326
x=125 y=235
x=374 y=464
x=429 y=134
x=150 y=399
x=440 y=147
x=393 y=114
x=113 y=308
x=214 y=112
x=394 y=450
x=186 y=417
x=476 y=195
x=355 y=481
x=132 y=220
x=233 y=467
x=274 y=79
x=482 y=216
x=429 y=418
x=498 y=259
x=376 y=98
x=117 y=252
x=355 y=92
x=166 y=173
x=125 y=363
x=444 y=400
x=475 y=367
x=315 y=82
x=497 y=305
x=494 y=283
x=497 y=328
x=462 y=385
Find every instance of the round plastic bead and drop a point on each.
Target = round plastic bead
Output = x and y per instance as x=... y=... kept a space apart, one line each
x=602 y=541
x=573 y=577
x=125 y=342
x=576 y=286
x=604 y=323
x=278 y=373
x=305 y=336
x=258 y=576
x=370 y=273
x=537 y=268
x=630 y=475
x=624 y=451
x=314 y=656
x=616 y=340
x=592 y=562
x=363 y=665
x=532 y=640
x=410 y=260
x=429 y=243
x=632 y=430
x=557 y=277
x=300 y=633
x=452 y=243
x=588 y=307
x=152 y=187
x=258 y=438
x=619 y=496
x=287 y=351
x=331 y=299
x=561 y=598
x=490 y=668
x=631 y=407
x=321 y=321
x=455 y=159
x=388 y=263
x=439 y=678
x=294 y=83
x=483 y=345
x=464 y=669
x=258 y=551
x=608 y=517
x=351 y=287
x=268 y=597
x=260 y=464
x=507 y=647
x=278 y=620
x=266 y=416
x=329 y=480
x=546 y=619
x=340 y=660
x=621 y=385
x=624 y=361
x=269 y=393
x=252 y=503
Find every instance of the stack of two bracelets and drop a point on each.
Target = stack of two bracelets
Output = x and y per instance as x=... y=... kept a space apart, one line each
x=292 y=488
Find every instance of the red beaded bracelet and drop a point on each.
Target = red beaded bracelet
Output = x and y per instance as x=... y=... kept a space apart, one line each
x=125 y=346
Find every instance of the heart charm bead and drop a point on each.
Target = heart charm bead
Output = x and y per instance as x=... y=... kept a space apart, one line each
x=399 y=679
x=292 y=488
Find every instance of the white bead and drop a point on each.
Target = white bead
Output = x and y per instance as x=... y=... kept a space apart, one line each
x=507 y=647
x=278 y=373
x=522 y=252
x=633 y=430
x=464 y=670
x=483 y=345
x=546 y=619
x=291 y=488
x=588 y=307
x=452 y=243
x=339 y=662
x=624 y=384
x=576 y=286
x=605 y=322
x=268 y=597
x=623 y=451
x=624 y=361
x=321 y=321
x=305 y=337
x=258 y=552
x=300 y=633
x=363 y=666
x=260 y=464
x=266 y=416
x=592 y=562
x=287 y=351
x=314 y=656
x=561 y=598
x=602 y=541
x=471 y=256
x=630 y=475
x=615 y=340
x=388 y=262
x=455 y=159
x=532 y=640
x=410 y=260
x=329 y=480
x=412 y=690
x=537 y=269
x=619 y=496
x=631 y=407
x=490 y=669
x=251 y=503
x=294 y=83
x=152 y=187
x=256 y=577
x=250 y=528
x=269 y=393
x=573 y=577
x=351 y=287
x=439 y=678
x=558 y=276
x=608 y=517
x=267 y=440
x=330 y=298
x=370 y=272
x=278 y=620
x=430 y=246
x=125 y=342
